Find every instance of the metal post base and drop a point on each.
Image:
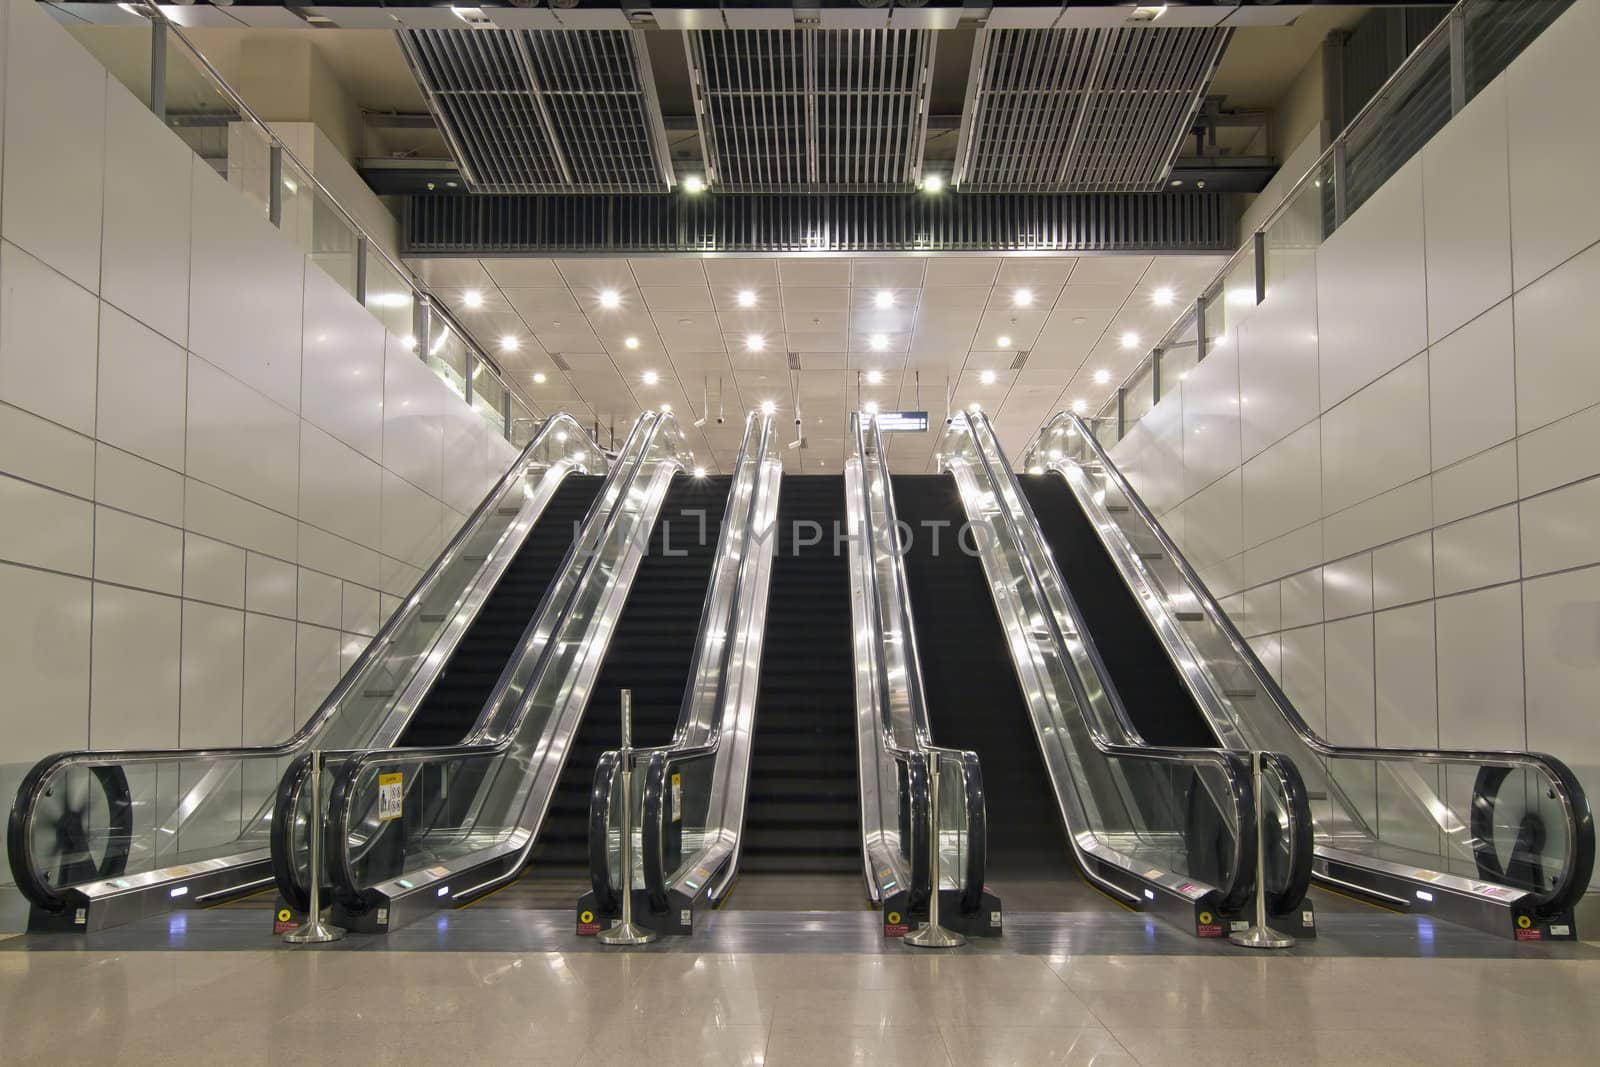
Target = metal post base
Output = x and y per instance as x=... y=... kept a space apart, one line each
x=932 y=935
x=1261 y=937
x=314 y=932
x=626 y=933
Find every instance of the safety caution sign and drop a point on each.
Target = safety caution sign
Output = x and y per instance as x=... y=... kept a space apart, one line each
x=391 y=796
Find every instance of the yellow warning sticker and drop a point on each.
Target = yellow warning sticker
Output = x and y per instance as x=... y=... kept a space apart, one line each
x=586 y=917
x=894 y=918
x=1205 y=918
x=391 y=796
x=284 y=915
x=1524 y=922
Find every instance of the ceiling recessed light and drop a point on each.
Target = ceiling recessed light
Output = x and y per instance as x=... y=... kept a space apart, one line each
x=1162 y=296
x=472 y=298
x=1079 y=407
x=651 y=377
x=539 y=378
x=1022 y=298
x=986 y=377
x=409 y=341
x=1101 y=377
x=693 y=183
x=631 y=342
x=883 y=298
x=974 y=407
x=768 y=407
x=932 y=183
x=747 y=298
x=1130 y=340
x=874 y=377
x=870 y=407
x=754 y=342
x=666 y=407
x=508 y=343
x=1003 y=341
x=877 y=342
x=610 y=298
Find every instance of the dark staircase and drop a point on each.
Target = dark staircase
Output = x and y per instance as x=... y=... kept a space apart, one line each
x=804 y=810
x=970 y=685
x=650 y=653
x=1158 y=703
x=452 y=705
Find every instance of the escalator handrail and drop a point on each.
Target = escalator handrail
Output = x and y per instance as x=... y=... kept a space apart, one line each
x=681 y=751
x=1569 y=791
x=924 y=751
x=1235 y=770
x=340 y=860
x=24 y=868
x=291 y=786
x=658 y=759
x=1302 y=839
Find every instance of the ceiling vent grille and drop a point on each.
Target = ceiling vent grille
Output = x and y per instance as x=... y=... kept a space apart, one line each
x=812 y=109
x=1082 y=110
x=542 y=111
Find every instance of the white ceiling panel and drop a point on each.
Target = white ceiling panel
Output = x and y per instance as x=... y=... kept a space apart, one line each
x=901 y=273
x=961 y=270
x=741 y=273
x=514 y=273
x=668 y=270
x=821 y=270
x=947 y=315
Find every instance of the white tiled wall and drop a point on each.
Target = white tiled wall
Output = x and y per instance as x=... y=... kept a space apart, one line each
x=217 y=473
x=1390 y=475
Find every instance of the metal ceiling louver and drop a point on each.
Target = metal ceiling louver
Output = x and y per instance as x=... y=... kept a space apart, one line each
x=1082 y=110
x=544 y=111
x=811 y=109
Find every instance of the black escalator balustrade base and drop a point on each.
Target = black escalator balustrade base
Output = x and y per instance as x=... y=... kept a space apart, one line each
x=651 y=652
x=457 y=696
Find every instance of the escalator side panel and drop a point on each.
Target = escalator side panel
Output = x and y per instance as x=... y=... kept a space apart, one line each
x=458 y=695
x=974 y=699
x=1158 y=702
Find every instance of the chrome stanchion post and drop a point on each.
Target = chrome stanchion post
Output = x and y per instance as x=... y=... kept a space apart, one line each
x=626 y=932
x=933 y=935
x=1260 y=935
x=315 y=931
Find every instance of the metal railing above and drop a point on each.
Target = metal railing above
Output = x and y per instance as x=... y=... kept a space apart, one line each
x=1447 y=69
x=266 y=168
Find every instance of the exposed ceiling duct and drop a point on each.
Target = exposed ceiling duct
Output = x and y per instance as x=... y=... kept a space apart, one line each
x=1082 y=110
x=537 y=111
x=812 y=109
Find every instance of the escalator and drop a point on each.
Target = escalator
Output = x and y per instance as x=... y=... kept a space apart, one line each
x=98 y=838
x=803 y=820
x=454 y=702
x=975 y=702
x=650 y=653
x=1159 y=704
x=1499 y=840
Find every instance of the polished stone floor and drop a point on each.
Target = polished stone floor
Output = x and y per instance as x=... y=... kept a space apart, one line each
x=485 y=985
